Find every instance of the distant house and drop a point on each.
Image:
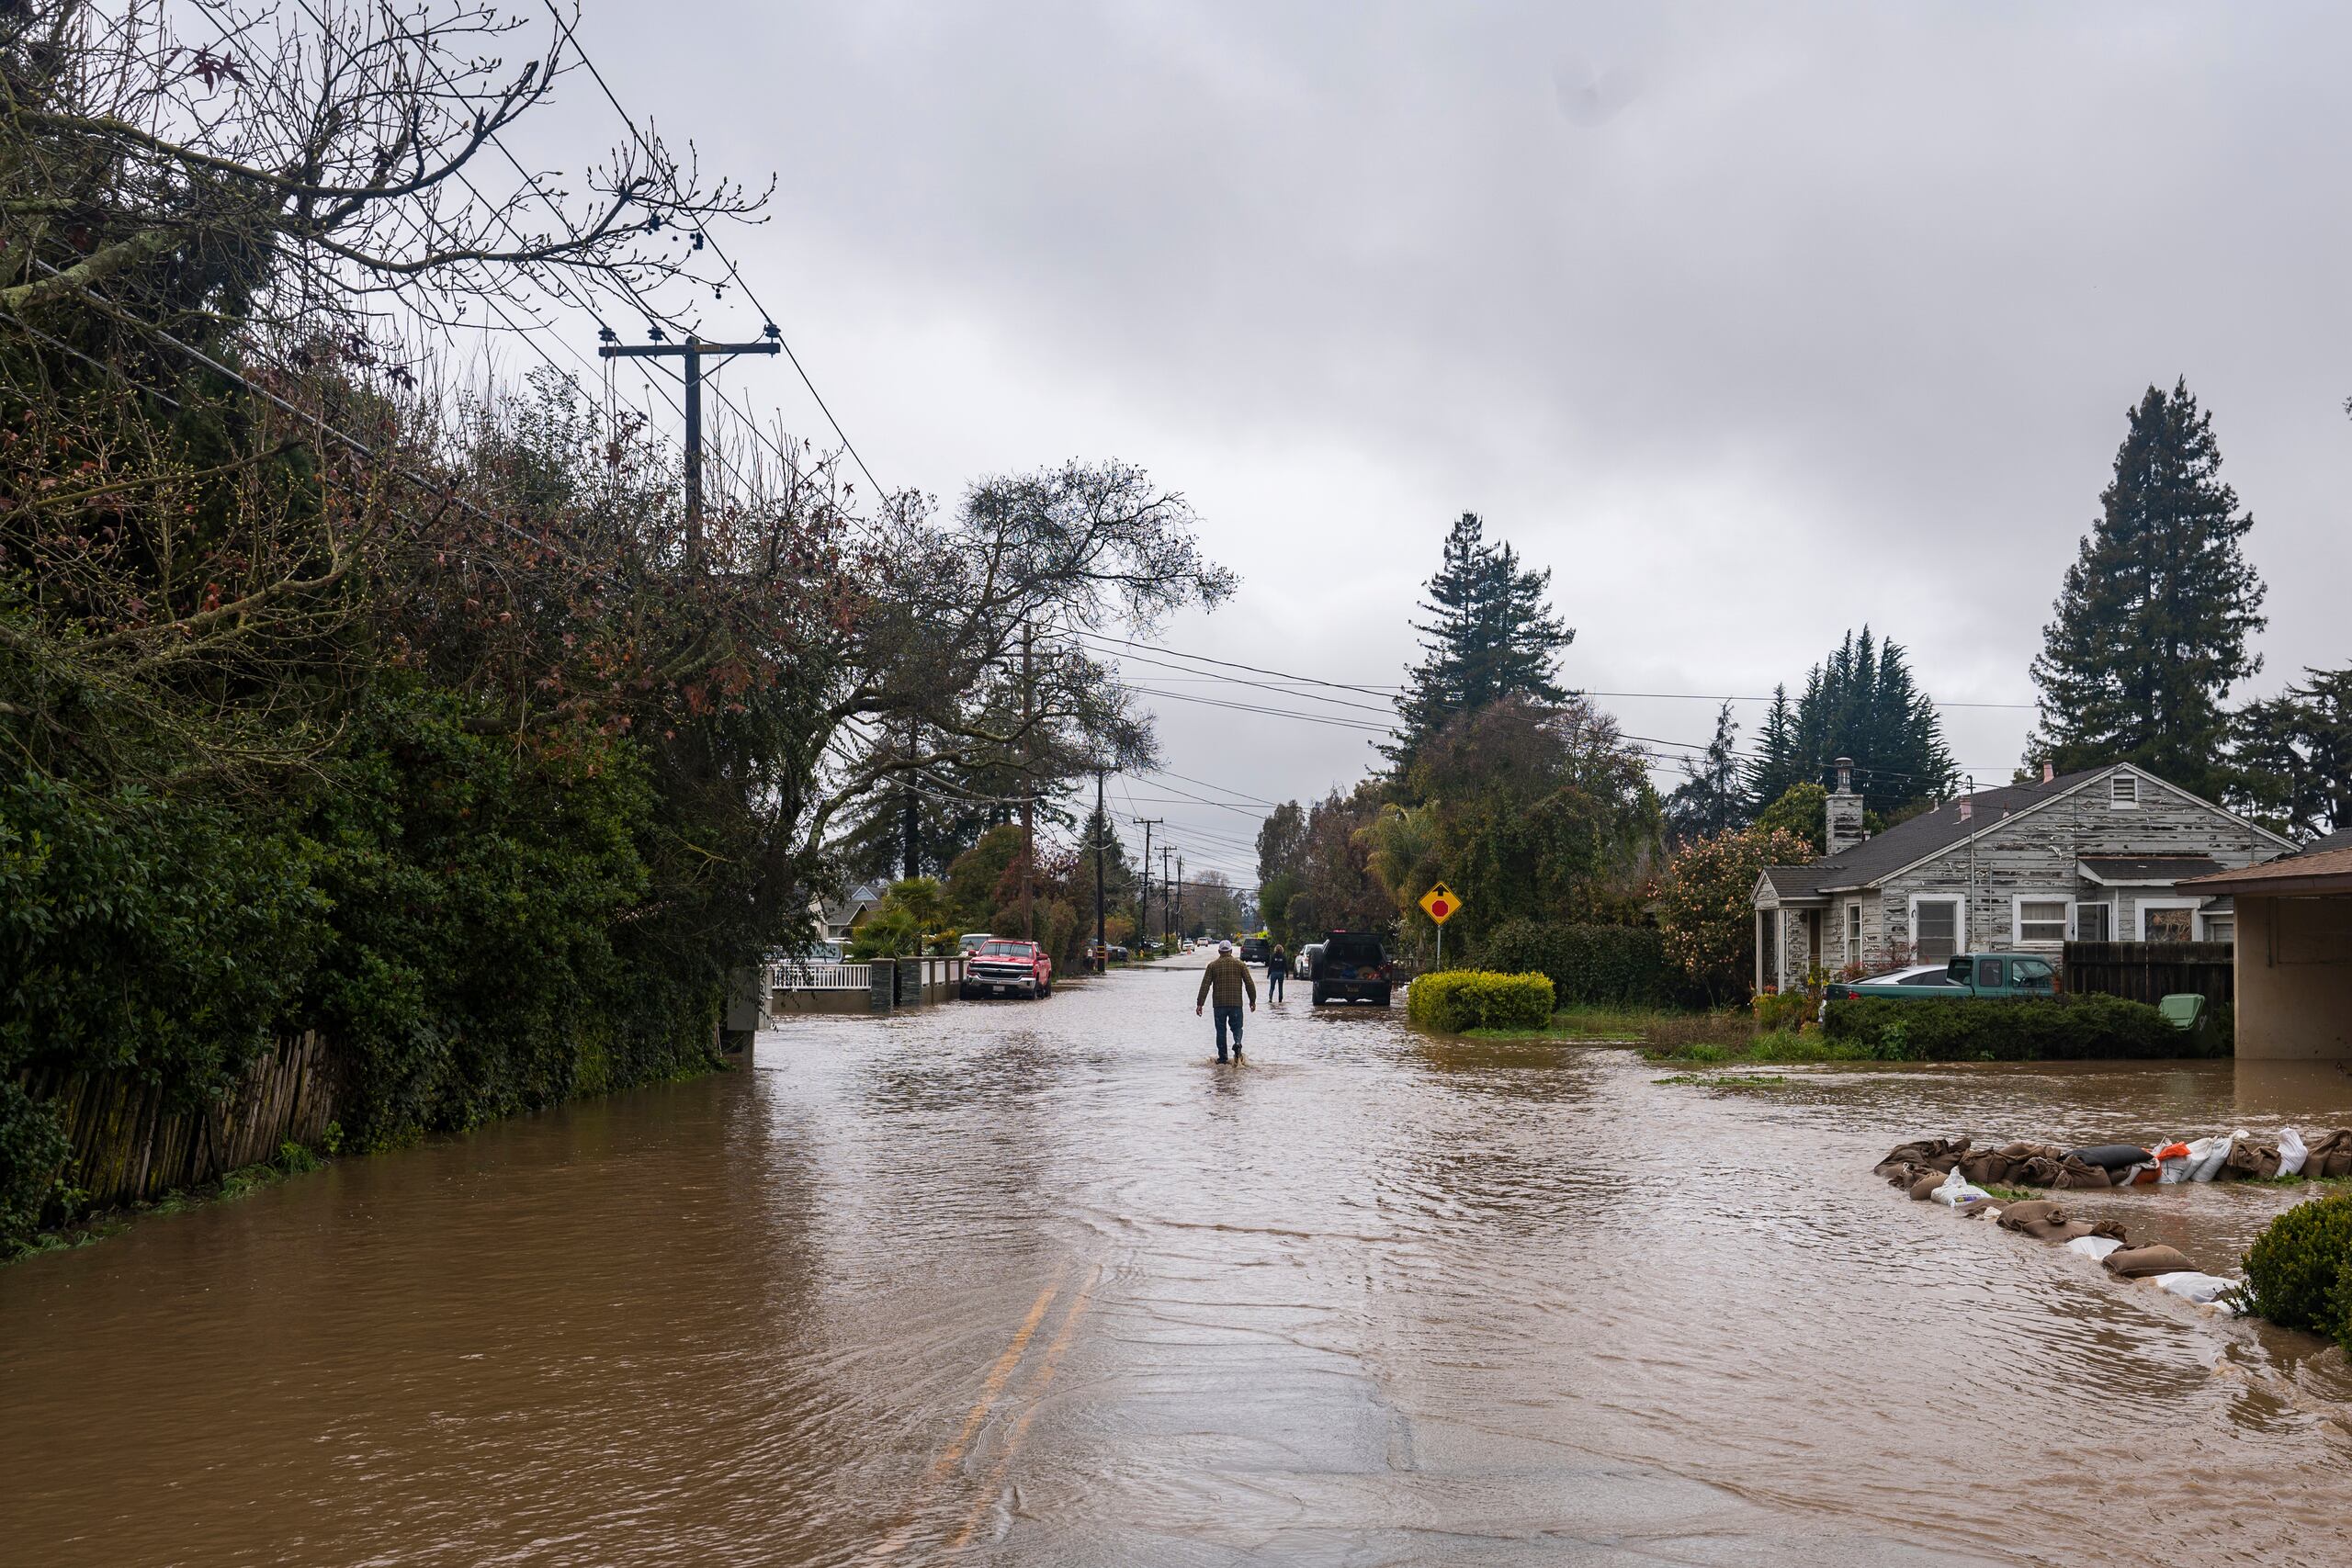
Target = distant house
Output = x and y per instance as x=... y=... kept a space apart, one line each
x=2098 y=855
x=840 y=917
x=2294 y=959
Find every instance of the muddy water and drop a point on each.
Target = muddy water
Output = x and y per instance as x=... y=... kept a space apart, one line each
x=1041 y=1279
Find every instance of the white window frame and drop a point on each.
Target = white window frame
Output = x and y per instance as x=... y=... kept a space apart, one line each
x=2074 y=918
x=2115 y=787
x=2141 y=906
x=2017 y=919
x=1854 y=925
x=2205 y=918
x=1960 y=932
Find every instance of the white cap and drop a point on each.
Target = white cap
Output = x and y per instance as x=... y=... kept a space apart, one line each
x=1225 y=947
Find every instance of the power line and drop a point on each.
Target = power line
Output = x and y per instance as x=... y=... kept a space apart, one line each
x=734 y=273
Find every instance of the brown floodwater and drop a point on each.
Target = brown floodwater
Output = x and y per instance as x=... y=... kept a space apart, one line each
x=1042 y=1279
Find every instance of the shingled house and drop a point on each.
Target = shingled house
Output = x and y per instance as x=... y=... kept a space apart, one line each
x=2092 y=856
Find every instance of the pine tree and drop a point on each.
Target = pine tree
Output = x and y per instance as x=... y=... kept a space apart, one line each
x=1777 y=764
x=2151 y=624
x=1492 y=634
x=1711 y=797
x=1860 y=703
x=2294 y=757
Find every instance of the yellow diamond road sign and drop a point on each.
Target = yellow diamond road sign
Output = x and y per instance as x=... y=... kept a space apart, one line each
x=1440 y=903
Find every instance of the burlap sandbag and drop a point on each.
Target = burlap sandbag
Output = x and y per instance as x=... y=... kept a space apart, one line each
x=2329 y=1155
x=2143 y=1262
x=2076 y=1175
x=1924 y=1188
x=1939 y=1154
x=2248 y=1157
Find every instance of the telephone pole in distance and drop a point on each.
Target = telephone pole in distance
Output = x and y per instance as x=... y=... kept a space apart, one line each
x=693 y=351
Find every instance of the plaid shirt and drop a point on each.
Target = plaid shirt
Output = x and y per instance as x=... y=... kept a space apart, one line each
x=1230 y=978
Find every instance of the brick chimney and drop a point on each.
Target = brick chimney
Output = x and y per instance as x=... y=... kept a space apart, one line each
x=1845 y=810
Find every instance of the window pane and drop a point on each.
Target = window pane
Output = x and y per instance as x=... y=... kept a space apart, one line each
x=1937 y=937
x=2221 y=928
x=2042 y=920
x=2091 y=923
x=1988 y=972
x=2165 y=925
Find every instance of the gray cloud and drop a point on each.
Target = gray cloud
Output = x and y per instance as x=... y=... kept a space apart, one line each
x=1753 y=322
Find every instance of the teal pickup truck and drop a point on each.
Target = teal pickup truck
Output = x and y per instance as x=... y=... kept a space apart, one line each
x=1964 y=974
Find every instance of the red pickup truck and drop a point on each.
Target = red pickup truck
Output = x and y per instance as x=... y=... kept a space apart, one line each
x=1001 y=967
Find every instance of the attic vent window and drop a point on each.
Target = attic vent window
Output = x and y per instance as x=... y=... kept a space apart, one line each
x=2124 y=792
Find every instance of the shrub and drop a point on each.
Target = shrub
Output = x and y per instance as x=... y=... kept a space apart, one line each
x=1590 y=964
x=2299 y=1272
x=2072 y=1028
x=1453 y=1001
x=1779 y=1010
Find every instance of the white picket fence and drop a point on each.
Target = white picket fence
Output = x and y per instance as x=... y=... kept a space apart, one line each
x=820 y=976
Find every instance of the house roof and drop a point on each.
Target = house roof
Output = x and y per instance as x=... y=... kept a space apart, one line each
x=2315 y=870
x=1911 y=842
x=2143 y=870
x=2336 y=840
x=1792 y=883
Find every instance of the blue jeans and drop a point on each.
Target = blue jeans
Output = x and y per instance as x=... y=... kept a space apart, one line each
x=1274 y=978
x=1226 y=1016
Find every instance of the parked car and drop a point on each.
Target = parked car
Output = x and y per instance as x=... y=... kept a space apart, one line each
x=1964 y=974
x=1254 y=949
x=1351 y=964
x=1303 y=967
x=1004 y=967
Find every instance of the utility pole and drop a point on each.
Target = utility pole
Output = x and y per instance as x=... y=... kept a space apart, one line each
x=910 y=825
x=1167 y=908
x=1102 y=919
x=1178 y=905
x=1028 y=790
x=693 y=351
x=1143 y=889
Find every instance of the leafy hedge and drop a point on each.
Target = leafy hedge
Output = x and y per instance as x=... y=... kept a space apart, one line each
x=1623 y=965
x=2070 y=1027
x=2299 y=1272
x=1453 y=1001
x=452 y=912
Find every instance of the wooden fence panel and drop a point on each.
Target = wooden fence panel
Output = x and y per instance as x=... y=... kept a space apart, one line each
x=2150 y=971
x=132 y=1141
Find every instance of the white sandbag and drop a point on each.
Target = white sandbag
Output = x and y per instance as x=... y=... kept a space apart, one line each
x=2207 y=1156
x=2174 y=1169
x=2092 y=1247
x=2291 y=1152
x=2202 y=1289
x=1956 y=1191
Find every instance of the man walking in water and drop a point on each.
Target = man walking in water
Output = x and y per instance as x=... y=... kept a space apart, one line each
x=1277 y=971
x=1229 y=978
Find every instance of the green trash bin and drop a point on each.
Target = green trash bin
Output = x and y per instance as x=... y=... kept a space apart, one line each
x=2183 y=1010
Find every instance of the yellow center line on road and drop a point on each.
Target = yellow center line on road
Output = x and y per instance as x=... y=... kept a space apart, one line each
x=991 y=1390
x=1039 y=1383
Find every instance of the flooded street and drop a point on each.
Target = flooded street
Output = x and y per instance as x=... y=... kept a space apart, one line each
x=1044 y=1279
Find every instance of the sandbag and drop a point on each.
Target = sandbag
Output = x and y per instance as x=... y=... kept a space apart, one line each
x=2329 y=1156
x=2032 y=1211
x=2291 y=1152
x=2189 y=1285
x=2145 y=1262
x=1957 y=1192
x=2172 y=1164
x=1942 y=1154
x=2248 y=1157
x=2075 y=1175
x=2206 y=1154
x=2094 y=1247
x=1925 y=1187
x=2110 y=1157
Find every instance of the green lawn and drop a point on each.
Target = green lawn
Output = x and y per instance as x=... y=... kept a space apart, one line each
x=1655 y=1028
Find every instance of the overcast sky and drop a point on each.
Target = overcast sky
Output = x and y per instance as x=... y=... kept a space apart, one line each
x=1753 y=323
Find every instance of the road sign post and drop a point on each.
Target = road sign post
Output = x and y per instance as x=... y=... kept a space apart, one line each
x=1441 y=904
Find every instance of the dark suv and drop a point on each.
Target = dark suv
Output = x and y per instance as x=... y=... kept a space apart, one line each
x=1351 y=964
x=1254 y=949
